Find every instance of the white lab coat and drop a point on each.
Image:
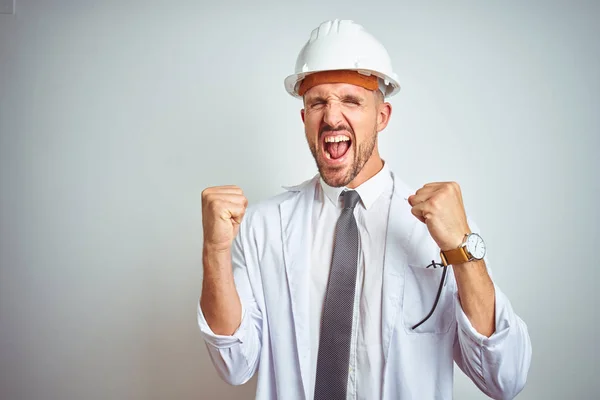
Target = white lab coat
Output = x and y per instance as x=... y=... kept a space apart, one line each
x=271 y=265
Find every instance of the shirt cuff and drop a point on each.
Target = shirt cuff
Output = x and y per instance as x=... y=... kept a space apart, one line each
x=222 y=341
x=502 y=317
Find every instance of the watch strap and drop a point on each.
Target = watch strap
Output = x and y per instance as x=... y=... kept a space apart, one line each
x=454 y=256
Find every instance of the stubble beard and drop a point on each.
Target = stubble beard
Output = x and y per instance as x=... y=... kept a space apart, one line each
x=361 y=156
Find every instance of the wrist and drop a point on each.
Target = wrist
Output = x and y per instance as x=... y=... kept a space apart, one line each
x=214 y=256
x=212 y=249
x=456 y=242
x=471 y=248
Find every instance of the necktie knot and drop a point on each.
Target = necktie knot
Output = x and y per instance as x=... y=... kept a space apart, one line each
x=351 y=198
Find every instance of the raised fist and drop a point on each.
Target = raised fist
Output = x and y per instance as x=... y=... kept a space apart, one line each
x=223 y=208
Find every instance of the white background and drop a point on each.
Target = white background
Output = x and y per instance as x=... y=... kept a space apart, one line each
x=115 y=115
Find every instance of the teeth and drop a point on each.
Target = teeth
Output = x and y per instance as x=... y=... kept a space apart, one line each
x=335 y=139
x=327 y=155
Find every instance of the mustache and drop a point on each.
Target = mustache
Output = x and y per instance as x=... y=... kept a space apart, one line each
x=325 y=128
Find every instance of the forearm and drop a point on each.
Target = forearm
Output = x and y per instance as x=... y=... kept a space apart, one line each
x=476 y=295
x=220 y=302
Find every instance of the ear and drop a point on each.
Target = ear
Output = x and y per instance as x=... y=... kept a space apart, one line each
x=302 y=114
x=384 y=112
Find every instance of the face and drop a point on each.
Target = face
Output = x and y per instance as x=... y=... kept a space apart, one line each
x=341 y=122
x=476 y=246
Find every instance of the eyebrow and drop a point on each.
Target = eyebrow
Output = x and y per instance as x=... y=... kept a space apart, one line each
x=354 y=98
x=317 y=99
x=345 y=97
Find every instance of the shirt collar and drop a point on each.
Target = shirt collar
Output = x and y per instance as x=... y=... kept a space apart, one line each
x=369 y=191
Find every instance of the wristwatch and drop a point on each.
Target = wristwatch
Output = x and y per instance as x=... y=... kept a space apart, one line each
x=472 y=248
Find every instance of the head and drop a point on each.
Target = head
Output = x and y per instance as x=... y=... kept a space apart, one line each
x=342 y=121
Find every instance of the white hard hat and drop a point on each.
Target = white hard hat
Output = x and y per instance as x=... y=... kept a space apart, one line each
x=343 y=45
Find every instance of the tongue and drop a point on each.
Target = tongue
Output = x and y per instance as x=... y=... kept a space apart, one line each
x=337 y=150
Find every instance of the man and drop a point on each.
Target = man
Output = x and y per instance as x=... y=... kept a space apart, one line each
x=330 y=290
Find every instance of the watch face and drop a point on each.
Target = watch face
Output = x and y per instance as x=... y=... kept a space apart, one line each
x=476 y=246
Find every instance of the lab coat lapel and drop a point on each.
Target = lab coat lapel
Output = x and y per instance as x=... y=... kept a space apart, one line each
x=400 y=225
x=296 y=217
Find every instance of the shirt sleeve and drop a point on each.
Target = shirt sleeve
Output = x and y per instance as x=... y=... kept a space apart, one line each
x=222 y=341
x=498 y=364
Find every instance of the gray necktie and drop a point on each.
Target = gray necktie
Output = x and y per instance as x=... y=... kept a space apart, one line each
x=336 y=324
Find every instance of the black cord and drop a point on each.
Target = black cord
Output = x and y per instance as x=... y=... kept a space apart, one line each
x=434 y=264
x=439 y=292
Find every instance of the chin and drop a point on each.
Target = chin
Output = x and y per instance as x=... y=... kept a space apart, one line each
x=335 y=178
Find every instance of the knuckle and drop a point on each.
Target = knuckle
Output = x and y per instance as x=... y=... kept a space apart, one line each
x=434 y=202
x=215 y=206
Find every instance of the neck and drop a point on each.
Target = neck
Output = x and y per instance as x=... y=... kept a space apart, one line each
x=373 y=165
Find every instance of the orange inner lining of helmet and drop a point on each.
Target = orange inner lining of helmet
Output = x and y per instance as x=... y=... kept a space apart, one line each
x=339 y=76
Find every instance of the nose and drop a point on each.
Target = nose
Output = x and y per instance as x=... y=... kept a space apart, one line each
x=332 y=115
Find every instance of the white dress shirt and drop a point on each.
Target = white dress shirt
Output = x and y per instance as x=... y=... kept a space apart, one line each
x=371 y=213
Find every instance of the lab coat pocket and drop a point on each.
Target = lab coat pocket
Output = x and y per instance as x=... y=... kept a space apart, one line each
x=420 y=289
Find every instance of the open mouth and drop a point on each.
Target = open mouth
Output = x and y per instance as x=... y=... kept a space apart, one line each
x=336 y=146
